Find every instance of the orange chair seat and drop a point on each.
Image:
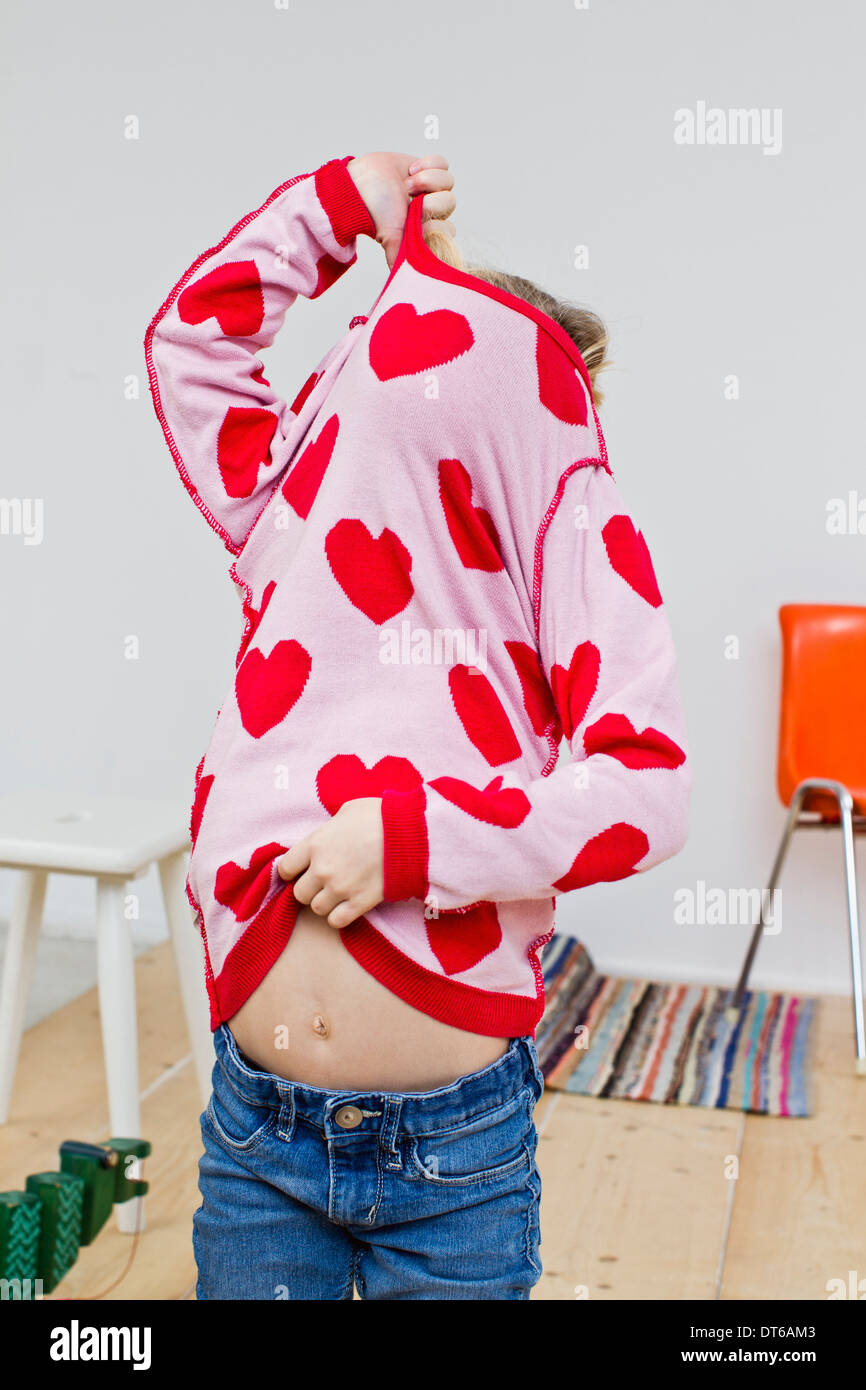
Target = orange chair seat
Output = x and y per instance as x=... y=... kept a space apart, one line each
x=822 y=724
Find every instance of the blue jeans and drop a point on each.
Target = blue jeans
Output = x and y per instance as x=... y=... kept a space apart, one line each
x=308 y=1193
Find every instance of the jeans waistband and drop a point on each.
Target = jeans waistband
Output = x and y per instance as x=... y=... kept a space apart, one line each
x=419 y=1111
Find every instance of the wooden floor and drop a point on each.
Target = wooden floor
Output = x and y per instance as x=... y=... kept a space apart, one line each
x=640 y=1201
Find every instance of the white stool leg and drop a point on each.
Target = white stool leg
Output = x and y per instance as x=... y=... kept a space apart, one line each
x=119 y=1029
x=189 y=960
x=18 y=975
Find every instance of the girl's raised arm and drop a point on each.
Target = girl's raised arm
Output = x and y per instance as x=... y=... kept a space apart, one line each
x=229 y=434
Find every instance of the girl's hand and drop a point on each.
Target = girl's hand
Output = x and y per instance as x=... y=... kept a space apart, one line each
x=386 y=185
x=341 y=863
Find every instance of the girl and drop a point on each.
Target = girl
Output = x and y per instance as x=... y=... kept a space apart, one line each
x=440 y=581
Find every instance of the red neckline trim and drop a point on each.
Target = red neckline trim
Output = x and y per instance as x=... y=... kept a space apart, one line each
x=415 y=250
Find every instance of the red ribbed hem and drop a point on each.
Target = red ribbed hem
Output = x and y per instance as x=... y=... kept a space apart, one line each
x=476 y=1010
x=463 y=1006
x=250 y=959
x=407 y=853
x=341 y=200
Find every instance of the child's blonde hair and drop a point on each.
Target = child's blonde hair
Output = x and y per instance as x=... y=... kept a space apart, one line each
x=586 y=329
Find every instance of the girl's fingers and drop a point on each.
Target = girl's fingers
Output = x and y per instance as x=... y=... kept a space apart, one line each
x=432 y=181
x=294 y=860
x=306 y=887
x=342 y=915
x=351 y=909
x=429 y=181
x=440 y=204
x=324 y=901
x=428 y=161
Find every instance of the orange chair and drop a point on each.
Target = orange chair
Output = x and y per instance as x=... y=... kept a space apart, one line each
x=821 y=773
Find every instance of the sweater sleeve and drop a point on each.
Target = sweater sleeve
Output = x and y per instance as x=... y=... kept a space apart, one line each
x=229 y=433
x=620 y=804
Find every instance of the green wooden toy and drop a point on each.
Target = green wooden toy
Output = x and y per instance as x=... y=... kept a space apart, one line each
x=43 y=1227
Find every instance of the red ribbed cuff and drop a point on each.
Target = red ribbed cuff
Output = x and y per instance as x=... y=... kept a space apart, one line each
x=406 y=848
x=342 y=202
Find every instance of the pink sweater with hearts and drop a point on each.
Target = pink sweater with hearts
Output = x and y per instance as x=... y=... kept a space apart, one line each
x=440 y=582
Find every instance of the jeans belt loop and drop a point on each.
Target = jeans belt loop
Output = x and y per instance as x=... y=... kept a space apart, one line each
x=390 y=1124
x=287 y=1118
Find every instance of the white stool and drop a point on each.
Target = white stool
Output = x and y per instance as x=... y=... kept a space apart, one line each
x=112 y=840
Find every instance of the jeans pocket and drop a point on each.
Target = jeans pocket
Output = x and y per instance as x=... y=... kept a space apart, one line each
x=483 y=1148
x=238 y=1123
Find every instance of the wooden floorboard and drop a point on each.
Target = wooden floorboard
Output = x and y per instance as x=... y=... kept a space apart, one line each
x=634 y=1199
x=60 y=1094
x=799 y=1218
x=638 y=1199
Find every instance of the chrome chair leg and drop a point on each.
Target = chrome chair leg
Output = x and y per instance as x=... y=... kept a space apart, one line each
x=846 y=808
x=854 y=931
x=790 y=825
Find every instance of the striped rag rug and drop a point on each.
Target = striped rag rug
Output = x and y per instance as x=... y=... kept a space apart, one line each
x=640 y=1040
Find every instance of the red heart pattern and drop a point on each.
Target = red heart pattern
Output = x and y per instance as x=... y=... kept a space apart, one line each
x=615 y=735
x=373 y=572
x=573 y=689
x=346 y=778
x=494 y=804
x=461 y=939
x=610 y=855
x=328 y=270
x=243 y=445
x=404 y=342
x=629 y=555
x=231 y=293
x=471 y=528
x=537 y=697
x=298 y=403
x=244 y=890
x=202 y=792
x=306 y=474
x=266 y=687
x=559 y=386
x=480 y=711
x=254 y=616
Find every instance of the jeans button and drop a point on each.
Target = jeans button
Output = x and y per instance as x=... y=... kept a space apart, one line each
x=348 y=1117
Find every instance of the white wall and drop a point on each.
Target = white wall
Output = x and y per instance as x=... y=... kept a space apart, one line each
x=558 y=122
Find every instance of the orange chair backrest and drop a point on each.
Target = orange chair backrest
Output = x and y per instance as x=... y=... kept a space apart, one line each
x=822 y=725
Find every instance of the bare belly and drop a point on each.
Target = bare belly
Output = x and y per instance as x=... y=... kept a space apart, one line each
x=319 y=1017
